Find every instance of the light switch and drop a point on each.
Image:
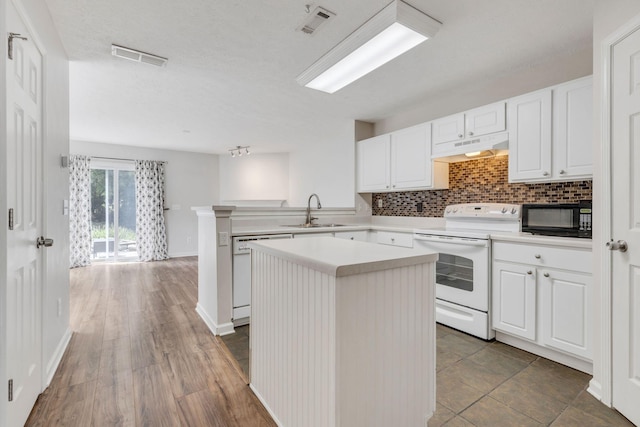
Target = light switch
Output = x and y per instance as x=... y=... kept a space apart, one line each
x=65 y=207
x=379 y=203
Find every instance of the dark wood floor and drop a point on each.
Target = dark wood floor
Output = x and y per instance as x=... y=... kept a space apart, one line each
x=141 y=356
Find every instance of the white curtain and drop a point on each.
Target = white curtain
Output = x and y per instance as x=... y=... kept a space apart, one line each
x=79 y=211
x=150 y=229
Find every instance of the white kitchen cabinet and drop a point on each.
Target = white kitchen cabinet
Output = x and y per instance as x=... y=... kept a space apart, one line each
x=477 y=122
x=358 y=235
x=529 y=118
x=395 y=238
x=565 y=306
x=400 y=160
x=514 y=299
x=542 y=294
x=374 y=163
x=572 y=130
x=550 y=136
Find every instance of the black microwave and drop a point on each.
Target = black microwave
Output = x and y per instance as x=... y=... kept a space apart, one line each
x=569 y=220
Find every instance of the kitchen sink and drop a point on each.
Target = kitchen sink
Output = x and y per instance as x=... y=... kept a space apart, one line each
x=313 y=225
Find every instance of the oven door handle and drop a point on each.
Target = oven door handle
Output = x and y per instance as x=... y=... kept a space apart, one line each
x=451 y=240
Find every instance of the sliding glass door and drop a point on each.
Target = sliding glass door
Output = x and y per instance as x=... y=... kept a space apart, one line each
x=113 y=211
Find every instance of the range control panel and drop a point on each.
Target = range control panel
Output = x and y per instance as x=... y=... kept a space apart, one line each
x=483 y=210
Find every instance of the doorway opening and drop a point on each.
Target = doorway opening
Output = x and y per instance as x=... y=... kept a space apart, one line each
x=113 y=211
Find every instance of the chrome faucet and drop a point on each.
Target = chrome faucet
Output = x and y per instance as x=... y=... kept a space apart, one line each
x=307 y=222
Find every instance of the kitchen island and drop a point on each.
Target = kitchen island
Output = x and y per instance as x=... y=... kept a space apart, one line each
x=343 y=332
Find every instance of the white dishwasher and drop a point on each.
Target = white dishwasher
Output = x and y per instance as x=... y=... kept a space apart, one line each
x=242 y=275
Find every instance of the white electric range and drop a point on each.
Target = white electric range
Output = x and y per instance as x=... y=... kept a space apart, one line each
x=463 y=272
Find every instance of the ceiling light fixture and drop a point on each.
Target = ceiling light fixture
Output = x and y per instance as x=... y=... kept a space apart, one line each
x=137 y=56
x=238 y=150
x=394 y=30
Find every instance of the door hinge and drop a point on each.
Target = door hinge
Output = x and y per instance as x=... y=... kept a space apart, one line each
x=10 y=42
x=11 y=219
x=10 y=390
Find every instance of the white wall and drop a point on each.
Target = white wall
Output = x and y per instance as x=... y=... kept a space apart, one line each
x=254 y=177
x=326 y=167
x=609 y=15
x=455 y=100
x=55 y=134
x=191 y=179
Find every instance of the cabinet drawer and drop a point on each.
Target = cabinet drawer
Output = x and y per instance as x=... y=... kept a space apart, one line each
x=395 y=239
x=544 y=256
x=360 y=236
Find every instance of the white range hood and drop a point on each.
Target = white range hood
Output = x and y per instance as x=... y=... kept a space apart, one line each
x=491 y=145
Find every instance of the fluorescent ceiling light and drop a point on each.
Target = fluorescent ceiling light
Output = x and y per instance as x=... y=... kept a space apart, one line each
x=394 y=30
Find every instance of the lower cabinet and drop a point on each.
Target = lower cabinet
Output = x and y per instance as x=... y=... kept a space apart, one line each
x=536 y=297
x=514 y=299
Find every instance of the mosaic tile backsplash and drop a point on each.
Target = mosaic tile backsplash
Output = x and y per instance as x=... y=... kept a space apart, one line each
x=475 y=181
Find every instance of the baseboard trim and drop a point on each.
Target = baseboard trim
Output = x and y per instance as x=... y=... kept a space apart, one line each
x=595 y=389
x=223 y=329
x=182 y=254
x=56 y=358
x=548 y=353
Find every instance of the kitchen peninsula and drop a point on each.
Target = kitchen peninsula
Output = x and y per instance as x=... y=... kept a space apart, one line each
x=343 y=332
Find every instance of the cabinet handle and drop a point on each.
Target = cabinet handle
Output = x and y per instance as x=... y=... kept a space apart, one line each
x=394 y=186
x=470 y=133
x=351 y=238
x=386 y=186
x=393 y=240
x=562 y=172
x=537 y=256
x=529 y=272
x=460 y=135
x=545 y=173
x=546 y=274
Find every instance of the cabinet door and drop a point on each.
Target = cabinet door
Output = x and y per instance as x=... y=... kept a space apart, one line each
x=572 y=131
x=447 y=129
x=411 y=164
x=514 y=299
x=485 y=120
x=566 y=311
x=529 y=118
x=373 y=164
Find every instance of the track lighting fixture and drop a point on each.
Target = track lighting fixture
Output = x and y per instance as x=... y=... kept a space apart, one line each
x=240 y=150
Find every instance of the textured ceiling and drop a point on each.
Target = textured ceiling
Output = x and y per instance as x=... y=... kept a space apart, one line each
x=230 y=79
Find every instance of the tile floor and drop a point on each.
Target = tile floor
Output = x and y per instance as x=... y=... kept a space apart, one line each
x=492 y=384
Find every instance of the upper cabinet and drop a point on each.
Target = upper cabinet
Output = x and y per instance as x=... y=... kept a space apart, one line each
x=400 y=160
x=374 y=164
x=550 y=134
x=477 y=122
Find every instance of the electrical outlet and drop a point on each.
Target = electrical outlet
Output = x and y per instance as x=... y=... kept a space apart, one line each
x=379 y=203
x=223 y=238
x=419 y=206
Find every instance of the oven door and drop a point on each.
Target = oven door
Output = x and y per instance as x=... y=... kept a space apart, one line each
x=462 y=271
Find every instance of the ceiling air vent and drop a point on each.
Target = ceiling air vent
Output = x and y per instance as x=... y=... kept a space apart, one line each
x=316 y=19
x=137 y=56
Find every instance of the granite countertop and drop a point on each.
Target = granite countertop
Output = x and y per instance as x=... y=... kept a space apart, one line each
x=570 y=242
x=339 y=257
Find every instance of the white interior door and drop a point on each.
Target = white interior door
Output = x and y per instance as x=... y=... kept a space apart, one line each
x=625 y=179
x=24 y=197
